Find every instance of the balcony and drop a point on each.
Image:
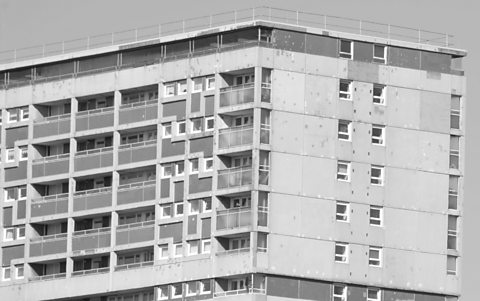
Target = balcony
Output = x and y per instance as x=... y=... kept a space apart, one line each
x=138 y=111
x=49 y=166
x=92 y=199
x=244 y=291
x=94 y=158
x=135 y=265
x=136 y=232
x=236 y=95
x=266 y=92
x=90 y=272
x=136 y=192
x=234 y=177
x=137 y=152
x=50 y=244
x=52 y=126
x=48 y=277
x=234 y=218
x=91 y=239
x=236 y=136
x=49 y=205
x=94 y=119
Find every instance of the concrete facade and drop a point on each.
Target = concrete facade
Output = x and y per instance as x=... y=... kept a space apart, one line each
x=253 y=162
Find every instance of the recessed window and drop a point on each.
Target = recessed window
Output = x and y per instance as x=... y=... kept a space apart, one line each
x=205 y=286
x=344 y=130
x=163 y=251
x=21 y=232
x=177 y=290
x=167 y=130
x=375 y=256
x=170 y=89
x=23 y=153
x=208 y=164
x=377 y=175
x=376 y=216
x=194 y=207
x=339 y=293
x=207 y=205
x=193 y=247
x=211 y=83
x=162 y=292
x=19 y=271
x=206 y=246
x=167 y=170
x=193 y=166
x=12 y=115
x=10 y=155
x=6 y=274
x=342 y=213
x=196 y=125
x=379 y=92
x=380 y=53
x=178 y=209
x=343 y=171
x=181 y=128
x=345 y=89
x=11 y=194
x=341 y=252
x=179 y=168
x=8 y=234
x=451 y=265
x=191 y=288
x=196 y=84
x=209 y=123
x=454 y=152
x=455 y=112
x=374 y=294
x=24 y=113
x=166 y=211
x=22 y=192
x=346 y=49
x=453 y=192
x=178 y=250
x=452 y=232
x=182 y=87
x=378 y=134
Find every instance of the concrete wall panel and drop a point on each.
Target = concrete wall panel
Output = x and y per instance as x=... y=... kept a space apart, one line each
x=287 y=132
x=317 y=136
x=15 y=134
x=204 y=145
x=289 y=60
x=164 y=188
x=321 y=95
x=206 y=227
x=172 y=148
x=172 y=230
x=177 y=108
x=17 y=97
x=281 y=177
x=137 y=77
x=197 y=184
x=195 y=102
x=238 y=59
x=436 y=62
x=362 y=101
x=16 y=173
x=362 y=52
x=318 y=176
x=321 y=45
x=95 y=83
x=403 y=107
x=363 y=71
x=10 y=253
x=320 y=65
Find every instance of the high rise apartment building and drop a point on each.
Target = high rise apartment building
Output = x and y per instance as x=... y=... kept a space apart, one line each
x=253 y=161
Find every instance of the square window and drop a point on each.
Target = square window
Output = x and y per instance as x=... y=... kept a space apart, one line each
x=377 y=175
x=209 y=123
x=193 y=166
x=342 y=212
x=343 y=171
x=182 y=87
x=10 y=194
x=194 y=207
x=10 y=155
x=167 y=130
x=210 y=82
x=12 y=115
x=163 y=251
x=379 y=92
x=376 y=216
x=193 y=247
x=162 y=293
x=196 y=125
x=379 y=53
x=378 y=134
x=166 y=211
x=207 y=164
x=19 y=271
x=207 y=205
x=8 y=234
x=451 y=265
x=178 y=249
x=21 y=232
x=6 y=273
x=346 y=49
x=178 y=209
x=375 y=256
x=345 y=90
x=344 y=130
x=205 y=286
x=191 y=288
x=373 y=294
x=181 y=129
x=23 y=153
x=341 y=252
x=339 y=293
x=196 y=84
x=24 y=113
x=206 y=246
x=167 y=170
x=177 y=290
x=169 y=89
x=179 y=168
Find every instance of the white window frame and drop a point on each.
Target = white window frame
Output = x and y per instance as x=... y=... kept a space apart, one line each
x=379 y=59
x=206 y=242
x=372 y=261
x=8 y=230
x=455 y=112
x=202 y=287
x=345 y=177
x=7 y=199
x=379 y=100
x=178 y=171
x=378 y=140
x=190 y=207
x=339 y=257
x=162 y=211
x=207 y=119
x=174 y=291
x=180 y=85
x=450 y=271
x=343 y=296
x=377 y=292
x=19 y=192
x=176 y=247
x=205 y=161
x=346 y=136
x=346 y=55
x=10 y=115
x=22 y=112
x=162 y=292
x=209 y=80
x=345 y=95
x=342 y=217
x=184 y=124
x=376 y=221
x=190 y=244
x=18 y=237
x=10 y=151
x=163 y=247
x=192 y=125
x=194 y=83
x=175 y=209
x=380 y=180
x=166 y=167
x=192 y=169
x=188 y=286
x=205 y=201
x=165 y=133
x=17 y=268
x=4 y=272
x=22 y=153
x=168 y=87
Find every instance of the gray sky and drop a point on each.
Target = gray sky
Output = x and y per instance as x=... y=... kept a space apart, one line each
x=25 y=23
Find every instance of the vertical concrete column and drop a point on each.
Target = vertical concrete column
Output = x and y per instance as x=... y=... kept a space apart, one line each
x=28 y=229
x=216 y=163
x=158 y=170
x=113 y=238
x=70 y=230
x=71 y=186
x=115 y=178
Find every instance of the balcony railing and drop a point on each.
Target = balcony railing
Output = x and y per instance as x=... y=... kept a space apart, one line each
x=45 y=238
x=266 y=92
x=48 y=277
x=49 y=205
x=51 y=126
x=240 y=292
x=235 y=136
x=234 y=251
x=91 y=239
x=94 y=158
x=265 y=133
x=90 y=272
x=236 y=95
x=92 y=199
x=135 y=265
x=135 y=232
x=234 y=218
x=234 y=177
x=94 y=119
x=136 y=192
x=136 y=152
x=52 y=165
x=49 y=244
x=138 y=111
x=262 y=216
x=263 y=174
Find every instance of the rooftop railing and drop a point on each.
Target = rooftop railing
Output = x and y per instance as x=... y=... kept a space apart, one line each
x=48 y=277
x=91 y=271
x=263 y=13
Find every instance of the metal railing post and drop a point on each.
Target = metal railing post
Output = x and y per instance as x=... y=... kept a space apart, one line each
x=43 y=50
x=325 y=21
x=297 y=17
x=210 y=22
x=88 y=42
x=360 y=25
x=446 y=39
x=388 y=31
x=113 y=37
x=419 y=37
x=63 y=46
x=159 y=30
x=136 y=34
x=183 y=26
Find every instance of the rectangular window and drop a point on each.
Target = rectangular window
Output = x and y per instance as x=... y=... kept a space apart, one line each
x=167 y=130
x=179 y=168
x=169 y=89
x=11 y=194
x=8 y=234
x=377 y=175
x=24 y=113
x=339 y=293
x=344 y=130
x=193 y=247
x=182 y=87
x=345 y=89
x=375 y=256
x=196 y=125
x=12 y=115
x=207 y=205
x=380 y=53
x=191 y=288
x=181 y=129
x=162 y=293
x=209 y=123
x=178 y=208
x=455 y=112
x=379 y=93
x=6 y=273
x=177 y=290
x=22 y=192
x=10 y=155
x=211 y=83
x=206 y=246
x=378 y=134
x=341 y=252
x=196 y=84
x=342 y=212
x=167 y=170
x=373 y=294
x=453 y=192
x=451 y=265
x=207 y=164
x=343 y=171
x=19 y=271
x=193 y=166
x=454 y=152
x=452 y=232
x=166 y=211
x=178 y=250
x=194 y=206
x=376 y=216
x=163 y=251
x=346 y=49
x=205 y=286
x=23 y=153
x=21 y=232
